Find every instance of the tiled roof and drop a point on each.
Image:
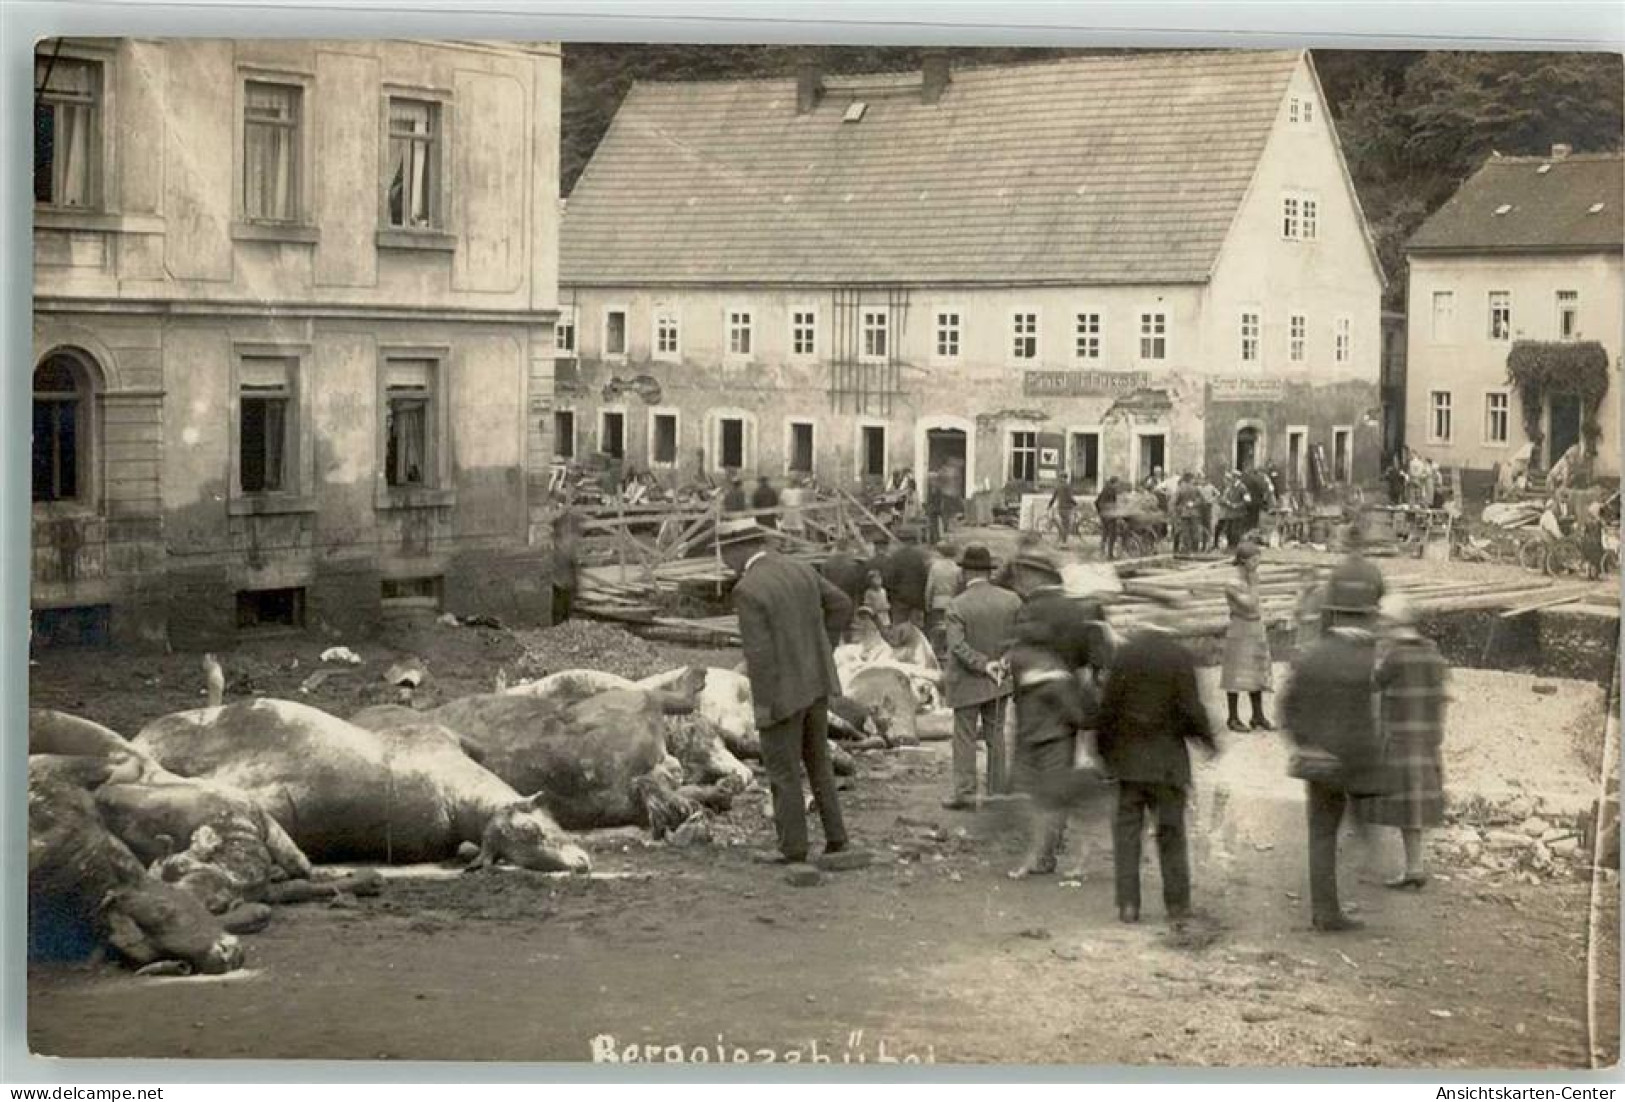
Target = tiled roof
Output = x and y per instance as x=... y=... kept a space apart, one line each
x=1512 y=204
x=1116 y=169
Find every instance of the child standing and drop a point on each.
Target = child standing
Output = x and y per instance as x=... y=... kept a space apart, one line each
x=876 y=601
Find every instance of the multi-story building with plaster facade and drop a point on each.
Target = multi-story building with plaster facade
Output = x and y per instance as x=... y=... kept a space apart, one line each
x=1101 y=264
x=293 y=303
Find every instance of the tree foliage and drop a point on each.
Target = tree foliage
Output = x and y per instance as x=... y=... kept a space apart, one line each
x=1571 y=367
x=1414 y=124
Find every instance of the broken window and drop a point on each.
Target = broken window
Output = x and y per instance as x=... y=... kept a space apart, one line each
x=1153 y=336
x=876 y=335
x=1297 y=338
x=801 y=447
x=564 y=433
x=1086 y=336
x=1500 y=315
x=260 y=608
x=271 y=151
x=731 y=431
x=1342 y=340
x=740 y=333
x=874 y=451
x=1024 y=457
x=1568 y=315
x=67 y=130
x=414 y=163
x=612 y=433
x=1342 y=439
x=663 y=442
x=264 y=427
x=564 y=331
x=1024 y=335
x=58 y=408
x=409 y=422
x=946 y=341
x=615 y=332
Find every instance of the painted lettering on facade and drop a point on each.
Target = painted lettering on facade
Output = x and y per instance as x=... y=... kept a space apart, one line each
x=1243 y=388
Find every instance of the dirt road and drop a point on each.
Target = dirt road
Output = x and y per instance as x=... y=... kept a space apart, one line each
x=931 y=954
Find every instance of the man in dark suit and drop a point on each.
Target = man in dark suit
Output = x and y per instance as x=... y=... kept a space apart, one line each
x=980 y=624
x=784 y=607
x=904 y=570
x=1149 y=710
x=1076 y=625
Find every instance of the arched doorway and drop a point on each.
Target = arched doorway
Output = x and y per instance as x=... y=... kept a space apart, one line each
x=946 y=442
x=65 y=384
x=1248 y=451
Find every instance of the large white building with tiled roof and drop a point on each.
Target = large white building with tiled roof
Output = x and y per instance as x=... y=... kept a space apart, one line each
x=1100 y=264
x=1529 y=249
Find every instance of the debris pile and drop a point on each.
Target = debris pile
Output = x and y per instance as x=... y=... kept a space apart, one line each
x=589 y=645
x=1519 y=838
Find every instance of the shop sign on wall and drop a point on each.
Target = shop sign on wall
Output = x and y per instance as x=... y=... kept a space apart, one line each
x=1069 y=383
x=1245 y=388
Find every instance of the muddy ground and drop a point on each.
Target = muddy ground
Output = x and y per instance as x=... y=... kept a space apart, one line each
x=930 y=954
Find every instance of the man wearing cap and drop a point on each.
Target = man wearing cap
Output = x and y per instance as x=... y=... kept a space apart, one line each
x=1075 y=622
x=783 y=608
x=979 y=625
x=1355 y=585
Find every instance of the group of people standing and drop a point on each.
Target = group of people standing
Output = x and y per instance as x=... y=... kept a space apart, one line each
x=1363 y=707
x=1197 y=513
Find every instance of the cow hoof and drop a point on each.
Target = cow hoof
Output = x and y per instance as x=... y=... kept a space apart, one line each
x=802 y=876
x=246 y=918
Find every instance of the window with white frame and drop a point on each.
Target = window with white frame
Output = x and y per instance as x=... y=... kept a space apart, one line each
x=564 y=331
x=1342 y=340
x=1153 y=335
x=1568 y=315
x=413 y=200
x=799 y=459
x=266 y=420
x=876 y=335
x=1300 y=216
x=564 y=433
x=1444 y=317
x=1249 y=336
x=67 y=131
x=1086 y=336
x=872 y=451
x=1497 y=416
x=804 y=333
x=615 y=331
x=741 y=333
x=271 y=151
x=946 y=335
x=1024 y=456
x=1439 y=426
x=667 y=335
x=410 y=422
x=62 y=417
x=1024 y=335
x=1297 y=338
x=612 y=432
x=1500 y=315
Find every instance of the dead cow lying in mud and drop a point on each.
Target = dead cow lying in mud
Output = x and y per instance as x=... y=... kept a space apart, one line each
x=599 y=751
x=86 y=889
x=398 y=789
x=212 y=841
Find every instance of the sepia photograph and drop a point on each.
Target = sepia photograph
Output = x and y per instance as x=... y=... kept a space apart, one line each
x=655 y=553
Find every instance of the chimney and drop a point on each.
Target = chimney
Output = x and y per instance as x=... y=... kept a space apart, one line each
x=934 y=75
x=809 y=86
x=1561 y=150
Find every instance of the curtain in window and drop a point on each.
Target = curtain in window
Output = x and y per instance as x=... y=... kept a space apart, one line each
x=411 y=136
x=407 y=440
x=73 y=153
x=268 y=152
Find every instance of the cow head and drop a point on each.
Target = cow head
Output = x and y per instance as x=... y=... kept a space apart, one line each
x=524 y=834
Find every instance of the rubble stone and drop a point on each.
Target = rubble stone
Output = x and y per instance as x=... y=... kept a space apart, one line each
x=802 y=876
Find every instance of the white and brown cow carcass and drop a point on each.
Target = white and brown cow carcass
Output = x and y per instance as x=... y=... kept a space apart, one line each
x=398 y=789
x=209 y=839
x=86 y=890
x=598 y=751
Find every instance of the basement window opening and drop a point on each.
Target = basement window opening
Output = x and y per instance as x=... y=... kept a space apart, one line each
x=270 y=608
x=406 y=593
x=77 y=626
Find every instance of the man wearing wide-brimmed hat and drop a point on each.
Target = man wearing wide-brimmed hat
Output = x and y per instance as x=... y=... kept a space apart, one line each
x=783 y=608
x=1355 y=586
x=977 y=627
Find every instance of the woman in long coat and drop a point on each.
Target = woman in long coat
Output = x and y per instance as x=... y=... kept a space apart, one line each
x=1246 y=644
x=1410 y=676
